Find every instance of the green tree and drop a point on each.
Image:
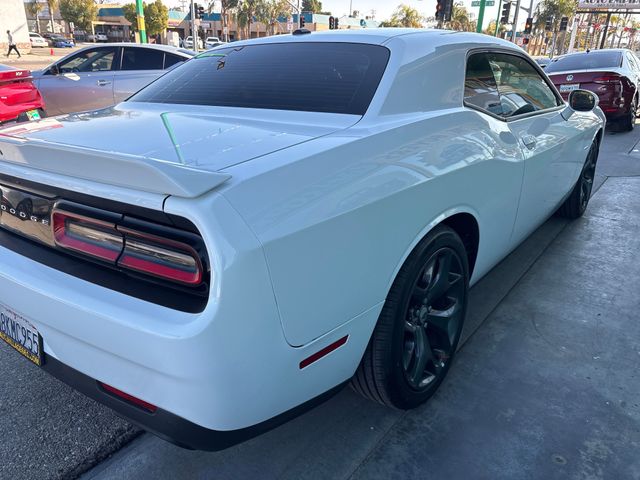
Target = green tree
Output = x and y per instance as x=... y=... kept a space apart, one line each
x=129 y=12
x=404 y=16
x=80 y=12
x=156 y=17
x=227 y=7
x=34 y=8
x=268 y=12
x=313 y=6
x=246 y=12
x=555 y=9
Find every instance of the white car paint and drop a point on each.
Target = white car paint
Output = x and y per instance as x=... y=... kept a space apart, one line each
x=313 y=219
x=37 y=40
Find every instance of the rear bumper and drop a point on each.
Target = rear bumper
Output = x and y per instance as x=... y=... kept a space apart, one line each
x=168 y=426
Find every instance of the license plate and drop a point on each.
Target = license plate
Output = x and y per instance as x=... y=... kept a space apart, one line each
x=569 y=87
x=20 y=334
x=33 y=115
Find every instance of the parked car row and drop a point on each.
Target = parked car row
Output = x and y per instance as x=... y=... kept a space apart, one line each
x=50 y=40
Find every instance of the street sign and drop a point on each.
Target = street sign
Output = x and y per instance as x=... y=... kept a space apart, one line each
x=488 y=3
x=289 y=26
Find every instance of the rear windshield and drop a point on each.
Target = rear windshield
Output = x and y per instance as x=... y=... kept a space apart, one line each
x=583 y=61
x=314 y=77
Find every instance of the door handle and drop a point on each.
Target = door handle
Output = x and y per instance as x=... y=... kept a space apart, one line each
x=529 y=141
x=102 y=83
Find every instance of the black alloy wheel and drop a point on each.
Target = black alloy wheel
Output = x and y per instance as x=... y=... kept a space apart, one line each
x=415 y=340
x=629 y=120
x=433 y=315
x=576 y=203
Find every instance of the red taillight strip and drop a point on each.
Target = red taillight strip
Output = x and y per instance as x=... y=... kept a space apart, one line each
x=129 y=398
x=324 y=352
x=160 y=257
x=86 y=229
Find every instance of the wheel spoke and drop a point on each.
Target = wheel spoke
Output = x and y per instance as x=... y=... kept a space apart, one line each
x=441 y=283
x=423 y=355
x=445 y=321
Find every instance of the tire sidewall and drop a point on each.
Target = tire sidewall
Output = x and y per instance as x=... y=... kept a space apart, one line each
x=401 y=392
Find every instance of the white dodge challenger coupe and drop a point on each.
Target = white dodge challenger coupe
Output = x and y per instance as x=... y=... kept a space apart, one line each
x=280 y=216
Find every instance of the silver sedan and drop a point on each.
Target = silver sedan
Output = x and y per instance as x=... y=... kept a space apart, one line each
x=99 y=76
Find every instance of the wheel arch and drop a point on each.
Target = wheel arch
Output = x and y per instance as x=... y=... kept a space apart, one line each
x=464 y=221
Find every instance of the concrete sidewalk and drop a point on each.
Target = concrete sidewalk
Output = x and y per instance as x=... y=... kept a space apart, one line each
x=548 y=387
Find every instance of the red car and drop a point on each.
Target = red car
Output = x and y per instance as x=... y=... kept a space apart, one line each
x=612 y=74
x=19 y=98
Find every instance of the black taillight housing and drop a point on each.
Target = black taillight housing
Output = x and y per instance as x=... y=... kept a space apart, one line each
x=143 y=248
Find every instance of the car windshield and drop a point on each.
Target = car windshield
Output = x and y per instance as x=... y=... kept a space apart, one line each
x=586 y=61
x=316 y=77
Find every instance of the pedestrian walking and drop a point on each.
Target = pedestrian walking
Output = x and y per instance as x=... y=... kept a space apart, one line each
x=12 y=45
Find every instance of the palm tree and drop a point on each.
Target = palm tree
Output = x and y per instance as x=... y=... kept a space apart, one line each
x=268 y=12
x=34 y=8
x=246 y=11
x=53 y=5
x=404 y=16
x=226 y=8
x=459 y=18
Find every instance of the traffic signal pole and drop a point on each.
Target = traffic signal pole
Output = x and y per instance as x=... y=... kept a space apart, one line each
x=140 y=18
x=194 y=34
x=515 y=22
x=495 y=34
x=481 y=16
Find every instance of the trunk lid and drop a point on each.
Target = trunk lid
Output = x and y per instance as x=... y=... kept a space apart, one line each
x=176 y=150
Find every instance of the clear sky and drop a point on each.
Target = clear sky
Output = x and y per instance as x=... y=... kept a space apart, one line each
x=384 y=8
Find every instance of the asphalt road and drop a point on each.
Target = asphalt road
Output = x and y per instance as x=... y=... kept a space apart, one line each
x=545 y=384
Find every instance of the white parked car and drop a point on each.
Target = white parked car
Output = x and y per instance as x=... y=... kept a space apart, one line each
x=37 y=40
x=248 y=233
x=211 y=42
x=188 y=42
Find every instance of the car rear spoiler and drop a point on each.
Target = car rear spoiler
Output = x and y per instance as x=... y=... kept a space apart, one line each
x=123 y=170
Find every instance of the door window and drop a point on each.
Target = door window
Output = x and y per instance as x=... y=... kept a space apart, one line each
x=142 y=59
x=94 y=60
x=480 y=88
x=522 y=89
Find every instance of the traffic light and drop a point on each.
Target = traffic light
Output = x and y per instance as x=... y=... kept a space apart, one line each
x=440 y=10
x=548 y=24
x=301 y=20
x=332 y=23
x=336 y=23
x=448 y=8
x=563 y=24
x=506 y=9
x=525 y=41
x=199 y=11
x=528 y=26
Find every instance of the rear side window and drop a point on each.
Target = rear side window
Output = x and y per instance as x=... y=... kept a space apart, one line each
x=582 y=61
x=480 y=88
x=170 y=60
x=315 y=77
x=142 y=59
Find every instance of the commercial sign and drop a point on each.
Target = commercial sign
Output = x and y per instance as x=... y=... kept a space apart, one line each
x=609 y=4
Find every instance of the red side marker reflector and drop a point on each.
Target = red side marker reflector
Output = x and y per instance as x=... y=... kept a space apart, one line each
x=129 y=398
x=325 y=351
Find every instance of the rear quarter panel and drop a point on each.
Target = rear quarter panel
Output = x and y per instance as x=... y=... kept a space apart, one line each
x=338 y=216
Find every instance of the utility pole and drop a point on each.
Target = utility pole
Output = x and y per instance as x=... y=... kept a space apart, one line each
x=515 y=22
x=574 y=32
x=194 y=33
x=481 y=16
x=140 y=17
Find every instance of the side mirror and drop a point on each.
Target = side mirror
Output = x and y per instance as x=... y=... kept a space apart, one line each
x=583 y=100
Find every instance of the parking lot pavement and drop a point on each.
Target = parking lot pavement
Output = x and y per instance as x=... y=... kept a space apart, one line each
x=550 y=340
x=38 y=57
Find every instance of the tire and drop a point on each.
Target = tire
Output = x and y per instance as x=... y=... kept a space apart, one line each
x=577 y=201
x=629 y=120
x=415 y=339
